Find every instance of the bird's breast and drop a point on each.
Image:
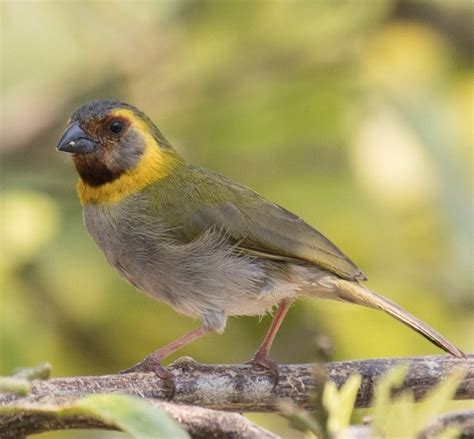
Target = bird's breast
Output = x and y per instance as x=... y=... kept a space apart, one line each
x=128 y=236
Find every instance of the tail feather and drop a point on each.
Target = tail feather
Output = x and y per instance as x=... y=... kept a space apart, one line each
x=356 y=293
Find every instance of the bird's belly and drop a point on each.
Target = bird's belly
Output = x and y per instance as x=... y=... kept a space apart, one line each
x=199 y=278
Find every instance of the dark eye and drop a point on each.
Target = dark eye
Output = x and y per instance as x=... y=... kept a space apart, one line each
x=116 y=126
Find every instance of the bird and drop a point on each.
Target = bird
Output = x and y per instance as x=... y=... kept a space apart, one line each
x=209 y=247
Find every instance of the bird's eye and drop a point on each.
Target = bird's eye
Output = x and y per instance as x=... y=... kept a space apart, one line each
x=116 y=126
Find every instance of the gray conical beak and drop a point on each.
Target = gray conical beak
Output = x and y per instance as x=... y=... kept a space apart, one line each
x=76 y=141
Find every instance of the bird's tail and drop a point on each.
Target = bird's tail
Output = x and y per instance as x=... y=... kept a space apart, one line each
x=354 y=292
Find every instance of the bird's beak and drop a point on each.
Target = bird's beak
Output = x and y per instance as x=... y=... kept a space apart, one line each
x=76 y=141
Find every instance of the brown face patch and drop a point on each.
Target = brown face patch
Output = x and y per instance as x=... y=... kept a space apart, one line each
x=94 y=170
x=117 y=152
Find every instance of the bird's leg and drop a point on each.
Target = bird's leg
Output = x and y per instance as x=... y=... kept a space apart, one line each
x=261 y=357
x=152 y=363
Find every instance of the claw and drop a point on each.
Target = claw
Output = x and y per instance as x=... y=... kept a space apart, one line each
x=152 y=364
x=266 y=363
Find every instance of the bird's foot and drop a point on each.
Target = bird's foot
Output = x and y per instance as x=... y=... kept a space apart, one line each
x=153 y=364
x=262 y=360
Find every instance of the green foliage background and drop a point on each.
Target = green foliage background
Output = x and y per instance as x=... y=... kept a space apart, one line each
x=356 y=115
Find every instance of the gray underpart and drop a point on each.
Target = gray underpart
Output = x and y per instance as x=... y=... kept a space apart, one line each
x=205 y=278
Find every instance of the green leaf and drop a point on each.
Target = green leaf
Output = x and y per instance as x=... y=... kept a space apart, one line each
x=347 y=397
x=437 y=398
x=40 y=372
x=132 y=415
x=340 y=404
x=382 y=395
x=300 y=419
x=398 y=420
x=401 y=417
x=330 y=396
x=19 y=382
x=20 y=386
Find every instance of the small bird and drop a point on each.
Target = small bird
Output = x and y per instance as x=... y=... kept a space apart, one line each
x=188 y=236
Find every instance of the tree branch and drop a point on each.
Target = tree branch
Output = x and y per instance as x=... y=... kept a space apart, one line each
x=239 y=388
x=199 y=422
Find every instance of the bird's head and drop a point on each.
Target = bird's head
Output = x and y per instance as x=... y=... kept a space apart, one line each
x=115 y=147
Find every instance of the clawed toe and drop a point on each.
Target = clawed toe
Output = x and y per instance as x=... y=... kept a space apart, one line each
x=266 y=363
x=151 y=364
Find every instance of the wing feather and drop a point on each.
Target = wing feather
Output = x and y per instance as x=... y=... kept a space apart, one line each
x=267 y=230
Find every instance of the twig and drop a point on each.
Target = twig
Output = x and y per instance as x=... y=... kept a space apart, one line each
x=199 y=422
x=463 y=421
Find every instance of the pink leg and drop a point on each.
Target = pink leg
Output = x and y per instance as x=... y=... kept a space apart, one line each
x=261 y=357
x=175 y=345
x=264 y=349
x=152 y=363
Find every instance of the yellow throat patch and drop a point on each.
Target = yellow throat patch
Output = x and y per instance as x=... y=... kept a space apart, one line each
x=153 y=166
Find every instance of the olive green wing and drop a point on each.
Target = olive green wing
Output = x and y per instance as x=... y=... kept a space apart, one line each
x=264 y=229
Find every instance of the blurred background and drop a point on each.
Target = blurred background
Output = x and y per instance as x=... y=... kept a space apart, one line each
x=357 y=116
